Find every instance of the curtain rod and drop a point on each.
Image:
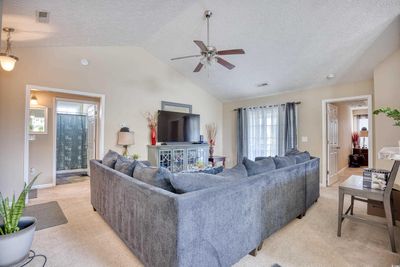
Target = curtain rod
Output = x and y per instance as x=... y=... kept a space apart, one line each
x=268 y=106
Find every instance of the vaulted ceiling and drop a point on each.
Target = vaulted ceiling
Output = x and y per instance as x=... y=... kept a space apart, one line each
x=289 y=44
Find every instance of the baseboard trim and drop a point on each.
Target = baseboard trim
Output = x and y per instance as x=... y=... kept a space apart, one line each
x=41 y=186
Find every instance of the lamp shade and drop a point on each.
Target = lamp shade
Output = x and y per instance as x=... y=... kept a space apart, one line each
x=126 y=138
x=7 y=62
x=363 y=133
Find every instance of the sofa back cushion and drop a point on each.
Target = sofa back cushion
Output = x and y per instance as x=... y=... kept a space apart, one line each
x=260 y=166
x=110 y=158
x=159 y=177
x=300 y=157
x=282 y=162
x=125 y=165
x=188 y=182
x=238 y=171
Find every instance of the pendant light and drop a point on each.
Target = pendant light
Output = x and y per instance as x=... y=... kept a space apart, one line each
x=7 y=60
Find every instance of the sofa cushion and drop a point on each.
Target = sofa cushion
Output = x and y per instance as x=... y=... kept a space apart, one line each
x=188 y=182
x=125 y=165
x=260 y=166
x=282 y=162
x=302 y=157
x=238 y=171
x=159 y=177
x=292 y=152
x=110 y=158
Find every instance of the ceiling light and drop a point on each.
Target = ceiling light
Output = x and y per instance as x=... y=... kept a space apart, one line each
x=84 y=62
x=7 y=60
x=330 y=76
x=34 y=100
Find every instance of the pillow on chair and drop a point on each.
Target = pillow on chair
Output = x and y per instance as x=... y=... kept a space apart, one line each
x=125 y=165
x=260 y=166
x=159 y=177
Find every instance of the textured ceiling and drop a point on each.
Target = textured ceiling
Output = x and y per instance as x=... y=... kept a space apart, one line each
x=290 y=44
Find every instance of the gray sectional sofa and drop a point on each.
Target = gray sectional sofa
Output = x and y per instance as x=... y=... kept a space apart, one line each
x=215 y=226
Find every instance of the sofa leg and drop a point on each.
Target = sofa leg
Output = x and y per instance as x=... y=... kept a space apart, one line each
x=260 y=246
x=253 y=252
x=301 y=215
x=94 y=209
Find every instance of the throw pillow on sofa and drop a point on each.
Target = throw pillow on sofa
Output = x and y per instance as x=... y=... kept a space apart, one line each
x=189 y=182
x=282 y=162
x=125 y=165
x=110 y=158
x=299 y=156
x=237 y=171
x=159 y=177
x=260 y=166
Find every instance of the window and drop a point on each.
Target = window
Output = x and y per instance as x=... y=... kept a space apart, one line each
x=265 y=131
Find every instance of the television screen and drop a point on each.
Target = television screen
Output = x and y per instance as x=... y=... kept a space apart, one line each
x=178 y=127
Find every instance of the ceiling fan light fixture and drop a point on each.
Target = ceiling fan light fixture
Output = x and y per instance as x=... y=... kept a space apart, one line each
x=7 y=60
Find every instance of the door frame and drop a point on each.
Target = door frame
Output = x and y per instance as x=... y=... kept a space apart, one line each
x=324 y=157
x=54 y=171
x=28 y=90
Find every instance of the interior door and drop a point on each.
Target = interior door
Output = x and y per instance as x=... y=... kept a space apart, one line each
x=333 y=142
x=92 y=118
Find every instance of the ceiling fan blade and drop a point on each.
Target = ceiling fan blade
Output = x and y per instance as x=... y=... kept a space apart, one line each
x=225 y=63
x=198 y=67
x=200 y=44
x=231 y=52
x=176 y=58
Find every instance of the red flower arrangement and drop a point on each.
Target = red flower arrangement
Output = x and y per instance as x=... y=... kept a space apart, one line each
x=355 y=139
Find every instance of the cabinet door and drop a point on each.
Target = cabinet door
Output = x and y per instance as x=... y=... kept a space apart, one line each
x=165 y=159
x=202 y=155
x=178 y=160
x=192 y=158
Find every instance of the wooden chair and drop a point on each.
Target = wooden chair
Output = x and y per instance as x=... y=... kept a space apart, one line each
x=353 y=186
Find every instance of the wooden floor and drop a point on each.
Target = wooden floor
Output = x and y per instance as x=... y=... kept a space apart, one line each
x=86 y=240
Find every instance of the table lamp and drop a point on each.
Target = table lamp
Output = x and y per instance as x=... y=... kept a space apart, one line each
x=125 y=139
x=364 y=133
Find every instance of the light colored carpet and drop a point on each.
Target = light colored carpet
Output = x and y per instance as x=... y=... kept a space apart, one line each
x=88 y=241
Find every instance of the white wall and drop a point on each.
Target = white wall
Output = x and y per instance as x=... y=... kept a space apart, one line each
x=132 y=79
x=386 y=94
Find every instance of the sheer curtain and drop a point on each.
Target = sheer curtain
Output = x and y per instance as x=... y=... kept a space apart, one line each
x=266 y=131
x=265 y=135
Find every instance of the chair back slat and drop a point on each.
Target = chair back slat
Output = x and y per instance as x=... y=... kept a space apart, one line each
x=392 y=178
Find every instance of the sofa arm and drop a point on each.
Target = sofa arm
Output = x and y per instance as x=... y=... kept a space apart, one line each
x=143 y=216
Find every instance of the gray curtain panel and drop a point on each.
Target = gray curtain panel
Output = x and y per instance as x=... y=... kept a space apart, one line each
x=71 y=142
x=290 y=131
x=242 y=130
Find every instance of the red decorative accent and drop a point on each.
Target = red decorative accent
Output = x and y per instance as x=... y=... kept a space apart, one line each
x=153 y=136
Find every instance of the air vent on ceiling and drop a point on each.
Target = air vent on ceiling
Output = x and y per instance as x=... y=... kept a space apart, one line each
x=42 y=16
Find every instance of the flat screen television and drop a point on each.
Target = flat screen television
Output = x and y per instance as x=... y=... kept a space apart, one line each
x=178 y=127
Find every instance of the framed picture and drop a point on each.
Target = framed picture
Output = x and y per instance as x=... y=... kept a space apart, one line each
x=176 y=107
x=38 y=120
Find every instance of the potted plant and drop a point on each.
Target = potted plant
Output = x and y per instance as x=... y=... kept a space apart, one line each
x=390 y=113
x=16 y=232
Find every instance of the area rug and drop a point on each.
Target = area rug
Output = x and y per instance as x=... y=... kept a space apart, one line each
x=47 y=214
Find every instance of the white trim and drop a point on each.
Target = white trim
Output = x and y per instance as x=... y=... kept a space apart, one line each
x=41 y=186
x=324 y=156
x=28 y=90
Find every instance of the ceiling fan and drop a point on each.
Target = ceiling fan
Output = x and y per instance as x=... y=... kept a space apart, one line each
x=209 y=53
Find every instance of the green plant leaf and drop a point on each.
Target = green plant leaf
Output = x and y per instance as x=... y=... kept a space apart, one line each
x=12 y=212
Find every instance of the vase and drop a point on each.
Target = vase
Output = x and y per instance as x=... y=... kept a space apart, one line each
x=211 y=151
x=14 y=248
x=153 y=136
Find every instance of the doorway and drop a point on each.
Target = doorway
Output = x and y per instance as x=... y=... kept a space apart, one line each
x=76 y=125
x=40 y=153
x=347 y=137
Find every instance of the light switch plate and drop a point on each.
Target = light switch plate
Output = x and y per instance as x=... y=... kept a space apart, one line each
x=304 y=139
